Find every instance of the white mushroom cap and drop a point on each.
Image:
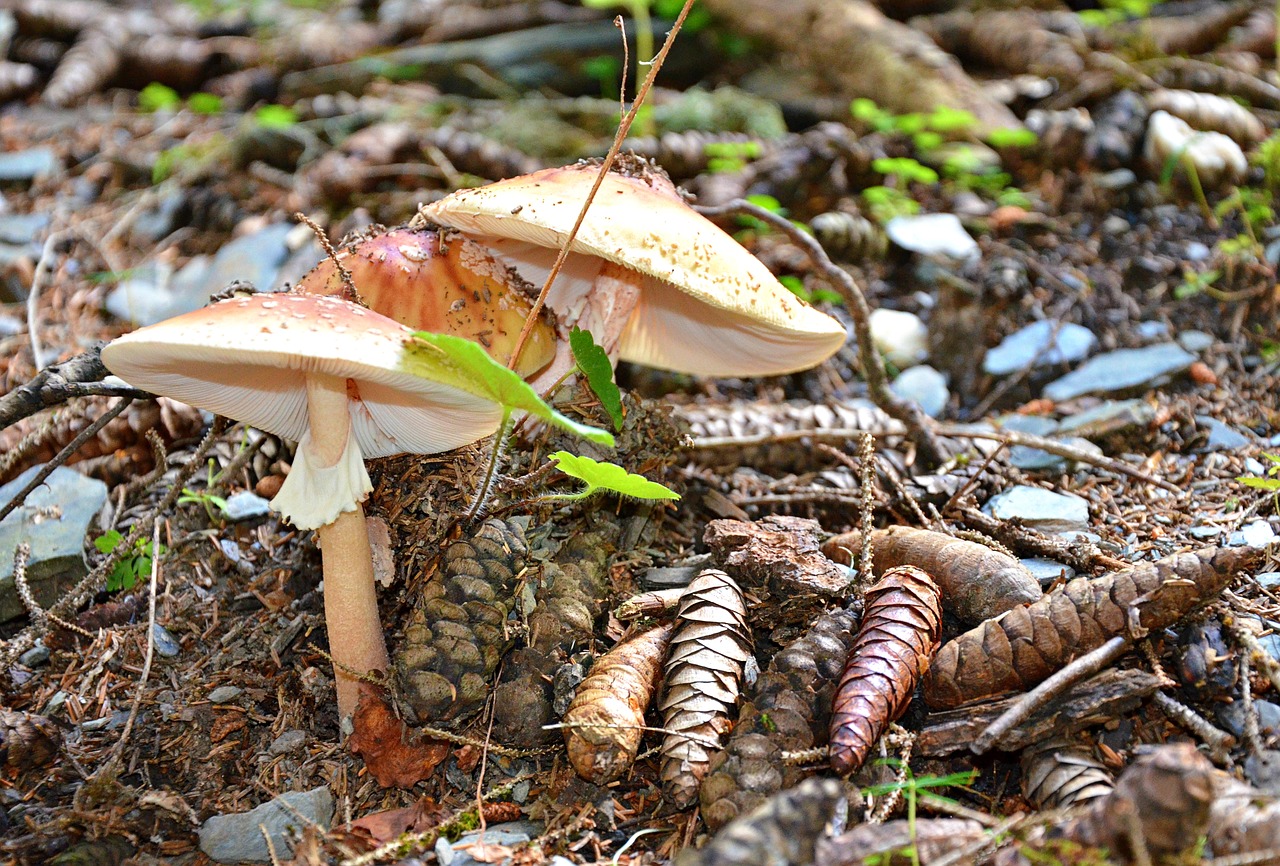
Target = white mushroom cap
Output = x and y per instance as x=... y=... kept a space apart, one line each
x=247 y=359
x=707 y=306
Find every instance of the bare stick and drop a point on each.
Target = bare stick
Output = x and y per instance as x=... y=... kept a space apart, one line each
x=1053 y=446
x=76 y=377
x=918 y=426
x=61 y=457
x=623 y=129
x=1218 y=740
x=1082 y=668
x=43 y=267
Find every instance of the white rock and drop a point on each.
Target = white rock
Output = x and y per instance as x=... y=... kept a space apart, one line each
x=933 y=234
x=900 y=336
x=1216 y=158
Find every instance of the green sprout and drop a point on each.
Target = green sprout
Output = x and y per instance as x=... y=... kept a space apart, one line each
x=1269 y=480
x=594 y=363
x=205 y=498
x=605 y=476
x=134 y=566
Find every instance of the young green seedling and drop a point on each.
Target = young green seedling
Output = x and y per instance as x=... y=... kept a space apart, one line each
x=605 y=476
x=594 y=363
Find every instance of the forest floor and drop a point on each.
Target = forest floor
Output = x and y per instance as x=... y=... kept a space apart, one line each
x=152 y=155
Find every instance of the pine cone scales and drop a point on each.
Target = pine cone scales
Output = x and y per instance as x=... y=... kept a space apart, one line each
x=27 y=741
x=704 y=668
x=456 y=636
x=788 y=710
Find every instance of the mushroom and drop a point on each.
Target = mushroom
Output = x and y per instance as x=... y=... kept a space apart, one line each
x=325 y=372
x=653 y=281
x=443 y=282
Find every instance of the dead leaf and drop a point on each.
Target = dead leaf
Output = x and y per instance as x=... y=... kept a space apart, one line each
x=396 y=756
x=382 y=827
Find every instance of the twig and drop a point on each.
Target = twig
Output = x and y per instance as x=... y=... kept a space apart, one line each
x=61 y=457
x=1080 y=555
x=867 y=456
x=76 y=377
x=34 y=610
x=1219 y=741
x=623 y=128
x=918 y=426
x=43 y=266
x=1053 y=446
x=1082 y=668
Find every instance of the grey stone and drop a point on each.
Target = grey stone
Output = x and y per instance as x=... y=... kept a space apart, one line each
x=158 y=221
x=1263 y=768
x=925 y=386
x=935 y=234
x=1121 y=370
x=245 y=505
x=1115 y=225
x=35 y=657
x=1040 y=509
x=27 y=165
x=1195 y=341
x=1222 y=437
x=53 y=520
x=299 y=263
x=165 y=643
x=511 y=834
x=21 y=229
x=1110 y=417
x=1151 y=330
x=1205 y=531
x=1256 y=534
x=1197 y=251
x=1038 y=344
x=1269 y=579
x=255 y=258
x=289 y=741
x=238 y=838
x=1025 y=457
x=224 y=694
x=1117 y=179
x=1048 y=571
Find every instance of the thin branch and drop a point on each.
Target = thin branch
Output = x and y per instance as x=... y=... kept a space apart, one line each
x=918 y=426
x=80 y=376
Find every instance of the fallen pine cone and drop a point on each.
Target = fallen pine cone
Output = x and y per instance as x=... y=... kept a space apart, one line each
x=976 y=581
x=782 y=832
x=1024 y=646
x=605 y=722
x=901 y=627
x=27 y=740
x=702 y=679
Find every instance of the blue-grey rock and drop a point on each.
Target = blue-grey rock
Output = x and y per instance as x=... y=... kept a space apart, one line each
x=1205 y=531
x=146 y=296
x=1151 y=330
x=224 y=694
x=35 y=657
x=1108 y=418
x=1196 y=251
x=924 y=385
x=165 y=643
x=1269 y=579
x=934 y=234
x=1258 y=533
x=11 y=326
x=255 y=258
x=300 y=261
x=53 y=520
x=1195 y=341
x=158 y=221
x=1262 y=768
x=1115 y=225
x=513 y=833
x=1048 y=571
x=1121 y=370
x=1222 y=437
x=20 y=229
x=238 y=838
x=1023 y=456
x=289 y=741
x=1116 y=179
x=1038 y=344
x=1040 y=509
x=245 y=505
x=27 y=165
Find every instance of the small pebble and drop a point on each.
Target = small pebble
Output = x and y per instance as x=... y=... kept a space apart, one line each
x=246 y=505
x=1196 y=341
x=1256 y=534
x=224 y=694
x=1040 y=509
x=1048 y=571
x=35 y=657
x=239 y=837
x=166 y=644
x=289 y=741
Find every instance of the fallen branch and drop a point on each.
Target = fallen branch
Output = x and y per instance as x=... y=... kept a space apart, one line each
x=80 y=376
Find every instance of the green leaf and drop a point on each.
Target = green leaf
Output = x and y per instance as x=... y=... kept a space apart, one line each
x=156 y=97
x=108 y=541
x=463 y=364
x=1011 y=138
x=594 y=363
x=205 y=103
x=275 y=117
x=1259 y=483
x=608 y=476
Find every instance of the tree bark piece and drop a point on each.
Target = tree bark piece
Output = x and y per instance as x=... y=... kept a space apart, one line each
x=1026 y=645
x=860 y=52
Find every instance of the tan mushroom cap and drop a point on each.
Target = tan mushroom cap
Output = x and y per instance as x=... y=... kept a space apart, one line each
x=707 y=305
x=247 y=359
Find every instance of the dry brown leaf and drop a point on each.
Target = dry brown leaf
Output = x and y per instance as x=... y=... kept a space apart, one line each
x=396 y=756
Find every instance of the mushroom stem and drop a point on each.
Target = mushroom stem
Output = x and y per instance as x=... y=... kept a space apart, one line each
x=604 y=311
x=356 y=642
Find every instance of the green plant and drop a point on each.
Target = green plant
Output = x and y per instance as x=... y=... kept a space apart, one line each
x=204 y=103
x=885 y=202
x=604 y=476
x=134 y=566
x=904 y=170
x=205 y=498
x=594 y=363
x=724 y=157
x=1011 y=138
x=796 y=286
x=606 y=69
x=158 y=97
x=1195 y=283
x=1267 y=156
x=913 y=789
x=1115 y=11
x=275 y=116
x=1269 y=480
